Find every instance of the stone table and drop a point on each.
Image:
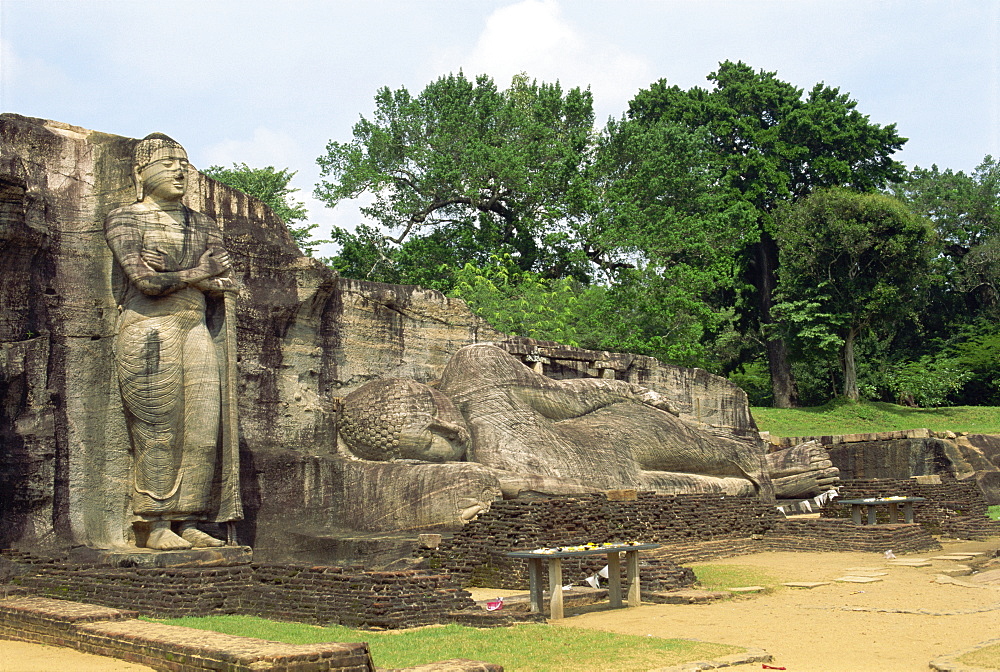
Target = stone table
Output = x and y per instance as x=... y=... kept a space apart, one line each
x=871 y=503
x=554 y=557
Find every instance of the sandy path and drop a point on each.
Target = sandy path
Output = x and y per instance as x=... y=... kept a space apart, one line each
x=809 y=630
x=24 y=657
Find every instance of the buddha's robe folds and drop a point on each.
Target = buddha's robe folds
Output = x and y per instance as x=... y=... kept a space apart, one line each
x=171 y=357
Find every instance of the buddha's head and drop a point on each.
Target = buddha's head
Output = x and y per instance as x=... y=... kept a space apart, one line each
x=398 y=418
x=160 y=169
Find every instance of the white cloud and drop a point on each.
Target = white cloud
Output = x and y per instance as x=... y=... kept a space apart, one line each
x=265 y=148
x=533 y=36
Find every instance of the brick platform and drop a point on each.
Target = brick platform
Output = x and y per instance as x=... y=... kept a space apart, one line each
x=475 y=554
x=303 y=593
x=692 y=528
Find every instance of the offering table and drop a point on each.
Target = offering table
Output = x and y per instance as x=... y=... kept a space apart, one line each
x=870 y=503
x=554 y=557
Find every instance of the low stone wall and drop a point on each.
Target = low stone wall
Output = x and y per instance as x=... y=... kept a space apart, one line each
x=819 y=534
x=705 y=551
x=118 y=634
x=476 y=553
x=805 y=535
x=160 y=593
x=692 y=528
x=953 y=507
x=301 y=593
x=402 y=599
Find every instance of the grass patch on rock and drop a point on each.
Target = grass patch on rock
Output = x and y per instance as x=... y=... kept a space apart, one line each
x=841 y=416
x=522 y=647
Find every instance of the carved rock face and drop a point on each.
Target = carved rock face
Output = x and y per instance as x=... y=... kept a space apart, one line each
x=398 y=418
x=606 y=434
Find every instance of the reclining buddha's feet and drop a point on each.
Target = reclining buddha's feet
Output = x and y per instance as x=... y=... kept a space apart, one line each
x=802 y=471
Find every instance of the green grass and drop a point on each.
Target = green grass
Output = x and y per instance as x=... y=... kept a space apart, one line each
x=723 y=577
x=522 y=647
x=846 y=417
x=987 y=658
x=994 y=512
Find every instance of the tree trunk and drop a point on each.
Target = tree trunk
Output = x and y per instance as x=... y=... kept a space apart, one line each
x=850 y=372
x=783 y=388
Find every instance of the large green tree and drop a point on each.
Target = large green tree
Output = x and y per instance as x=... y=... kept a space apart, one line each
x=965 y=209
x=772 y=144
x=271 y=186
x=490 y=171
x=850 y=261
x=960 y=309
x=667 y=234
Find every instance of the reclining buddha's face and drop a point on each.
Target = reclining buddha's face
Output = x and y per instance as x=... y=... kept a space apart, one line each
x=396 y=418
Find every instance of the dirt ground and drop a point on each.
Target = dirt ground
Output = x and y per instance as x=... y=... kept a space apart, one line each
x=24 y=657
x=832 y=628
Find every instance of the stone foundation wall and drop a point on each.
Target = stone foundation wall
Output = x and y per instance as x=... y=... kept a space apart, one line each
x=402 y=599
x=823 y=534
x=692 y=528
x=160 y=593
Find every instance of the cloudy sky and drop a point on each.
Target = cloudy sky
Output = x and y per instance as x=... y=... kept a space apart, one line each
x=270 y=83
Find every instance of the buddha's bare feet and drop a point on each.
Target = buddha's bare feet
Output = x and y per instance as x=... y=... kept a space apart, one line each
x=162 y=538
x=198 y=538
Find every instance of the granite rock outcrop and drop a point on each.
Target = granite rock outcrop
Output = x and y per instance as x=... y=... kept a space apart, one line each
x=306 y=339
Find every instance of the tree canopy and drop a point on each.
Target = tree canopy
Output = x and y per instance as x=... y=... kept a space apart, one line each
x=492 y=171
x=271 y=186
x=692 y=228
x=965 y=210
x=773 y=145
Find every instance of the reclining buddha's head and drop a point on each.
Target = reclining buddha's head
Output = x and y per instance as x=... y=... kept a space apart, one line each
x=398 y=418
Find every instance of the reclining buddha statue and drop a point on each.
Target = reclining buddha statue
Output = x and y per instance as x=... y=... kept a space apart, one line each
x=546 y=436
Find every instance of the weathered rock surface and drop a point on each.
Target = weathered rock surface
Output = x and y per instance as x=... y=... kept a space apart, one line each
x=801 y=471
x=599 y=432
x=974 y=457
x=305 y=339
x=696 y=395
x=978 y=457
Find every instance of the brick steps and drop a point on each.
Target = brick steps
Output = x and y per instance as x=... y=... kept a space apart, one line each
x=117 y=633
